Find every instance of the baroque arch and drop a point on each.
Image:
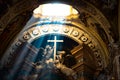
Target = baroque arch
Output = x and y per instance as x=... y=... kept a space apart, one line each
x=90 y=31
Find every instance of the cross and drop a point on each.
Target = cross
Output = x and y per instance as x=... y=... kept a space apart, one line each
x=55 y=44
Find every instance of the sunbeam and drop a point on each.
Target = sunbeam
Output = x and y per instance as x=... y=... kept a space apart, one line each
x=41 y=57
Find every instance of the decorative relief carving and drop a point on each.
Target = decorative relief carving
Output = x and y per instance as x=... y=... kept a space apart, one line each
x=16 y=10
x=99 y=63
x=84 y=18
x=75 y=33
x=71 y=31
x=66 y=31
x=35 y=32
x=45 y=29
x=84 y=38
x=24 y=5
x=18 y=43
x=90 y=22
x=97 y=54
x=95 y=14
x=56 y=29
x=99 y=59
x=26 y=36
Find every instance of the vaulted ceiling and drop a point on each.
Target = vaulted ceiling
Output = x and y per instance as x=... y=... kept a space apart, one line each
x=99 y=20
x=108 y=7
x=9 y=18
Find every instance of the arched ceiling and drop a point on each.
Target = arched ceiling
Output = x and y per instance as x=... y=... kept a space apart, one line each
x=98 y=25
x=108 y=7
x=19 y=12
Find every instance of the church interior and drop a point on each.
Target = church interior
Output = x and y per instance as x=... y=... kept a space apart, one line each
x=59 y=40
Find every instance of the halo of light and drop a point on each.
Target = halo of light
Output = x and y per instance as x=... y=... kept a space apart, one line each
x=54 y=9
